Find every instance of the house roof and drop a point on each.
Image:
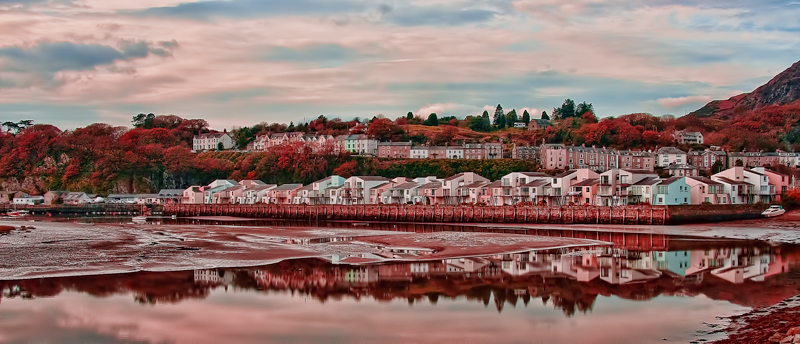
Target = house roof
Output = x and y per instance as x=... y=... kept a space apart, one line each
x=670 y=180
x=372 y=178
x=455 y=176
x=394 y=143
x=285 y=187
x=308 y=187
x=648 y=181
x=535 y=174
x=475 y=184
x=587 y=182
x=537 y=183
x=670 y=150
x=705 y=180
x=121 y=196
x=431 y=185
x=210 y=135
x=732 y=182
x=638 y=171
x=681 y=167
x=495 y=184
x=565 y=173
x=406 y=186
x=751 y=171
x=170 y=192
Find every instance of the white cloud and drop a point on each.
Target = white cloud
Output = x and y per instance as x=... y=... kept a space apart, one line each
x=671 y=103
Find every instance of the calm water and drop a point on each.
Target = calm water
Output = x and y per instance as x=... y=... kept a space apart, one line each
x=613 y=295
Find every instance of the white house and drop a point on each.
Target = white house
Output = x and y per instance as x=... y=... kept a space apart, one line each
x=77 y=198
x=211 y=141
x=688 y=137
x=418 y=152
x=28 y=200
x=670 y=156
x=757 y=188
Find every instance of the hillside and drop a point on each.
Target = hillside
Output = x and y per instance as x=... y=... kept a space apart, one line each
x=783 y=89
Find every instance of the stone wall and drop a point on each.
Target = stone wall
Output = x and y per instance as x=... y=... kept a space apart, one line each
x=708 y=213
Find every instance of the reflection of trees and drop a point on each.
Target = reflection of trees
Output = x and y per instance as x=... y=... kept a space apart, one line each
x=320 y=280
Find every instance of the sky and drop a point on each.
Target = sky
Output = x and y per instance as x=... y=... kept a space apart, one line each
x=241 y=62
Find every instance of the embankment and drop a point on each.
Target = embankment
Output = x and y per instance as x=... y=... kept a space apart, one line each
x=711 y=213
x=624 y=215
x=655 y=215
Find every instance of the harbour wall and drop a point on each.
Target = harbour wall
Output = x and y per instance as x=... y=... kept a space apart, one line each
x=627 y=215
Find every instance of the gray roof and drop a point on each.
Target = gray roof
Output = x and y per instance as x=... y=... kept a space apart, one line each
x=647 y=181
x=285 y=187
x=170 y=193
x=670 y=150
x=670 y=180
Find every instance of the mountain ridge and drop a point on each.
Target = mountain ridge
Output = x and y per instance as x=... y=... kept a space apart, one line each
x=782 y=89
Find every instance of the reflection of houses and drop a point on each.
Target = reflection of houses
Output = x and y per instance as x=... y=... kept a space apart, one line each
x=739 y=264
x=214 y=277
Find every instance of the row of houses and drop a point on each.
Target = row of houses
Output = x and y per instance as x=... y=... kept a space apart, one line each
x=165 y=196
x=560 y=157
x=737 y=185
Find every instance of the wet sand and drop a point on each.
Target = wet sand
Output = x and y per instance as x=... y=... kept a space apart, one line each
x=69 y=249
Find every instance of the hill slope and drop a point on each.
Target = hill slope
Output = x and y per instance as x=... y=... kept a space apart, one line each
x=783 y=89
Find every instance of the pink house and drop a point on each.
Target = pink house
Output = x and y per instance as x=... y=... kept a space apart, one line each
x=582 y=193
x=780 y=180
x=284 y=194
x=397 y=150
x=705 y=190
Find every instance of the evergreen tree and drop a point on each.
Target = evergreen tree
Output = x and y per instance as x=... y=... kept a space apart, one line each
x=409 y=116
x=499 y=117
x=511 y=118
x=583 y=108
x=545 y=116
x=566 y=110
x=526 y=117
x=432 y=120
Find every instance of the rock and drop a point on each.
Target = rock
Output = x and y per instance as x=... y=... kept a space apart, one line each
x=776 y=338
x=794 y=331
x=789 y=339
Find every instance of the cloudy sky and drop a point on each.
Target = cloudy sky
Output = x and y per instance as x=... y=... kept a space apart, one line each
x=240 y=62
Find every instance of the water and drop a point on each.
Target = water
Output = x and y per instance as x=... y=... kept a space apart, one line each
x=595 y=295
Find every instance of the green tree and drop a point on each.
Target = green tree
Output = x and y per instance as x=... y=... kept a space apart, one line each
x=583 y=108
x=526 y=117
x=717 y=167
x=143 y=121
x=409 y=116
x=499 y=117
x=511 y=117
x=480 y=123
x=567 y=109
x=545 y=116
x=220 y=147
x=432 y=120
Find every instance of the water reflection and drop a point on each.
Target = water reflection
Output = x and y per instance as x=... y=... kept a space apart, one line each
x=570 y=280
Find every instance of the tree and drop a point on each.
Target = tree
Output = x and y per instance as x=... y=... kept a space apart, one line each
x=499 y=117
x=526 y=117
x=445 y=136
x=511 y=117
x=583 y=108
x=566 y=110
x=220 y=147
x=589 y=117
x=717 y=167
x=432 y=120
x=409 y=116
x=347 y=169
x=143 y=121
x=381 y=129
x=480 y=123
x=545 y=116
